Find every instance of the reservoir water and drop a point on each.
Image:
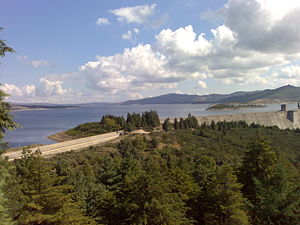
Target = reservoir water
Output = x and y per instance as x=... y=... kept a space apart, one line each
x=37 y=125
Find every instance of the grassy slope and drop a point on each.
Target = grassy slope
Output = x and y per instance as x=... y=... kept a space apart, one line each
x=80 y=131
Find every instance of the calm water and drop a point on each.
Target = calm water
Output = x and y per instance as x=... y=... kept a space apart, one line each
x=38 y=124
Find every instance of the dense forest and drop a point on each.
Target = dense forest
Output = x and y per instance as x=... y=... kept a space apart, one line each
x=221 y=173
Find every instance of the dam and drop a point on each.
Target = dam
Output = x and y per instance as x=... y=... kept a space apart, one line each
x=282 y=118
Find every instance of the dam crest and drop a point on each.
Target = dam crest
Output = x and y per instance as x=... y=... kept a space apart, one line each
x=282 y=118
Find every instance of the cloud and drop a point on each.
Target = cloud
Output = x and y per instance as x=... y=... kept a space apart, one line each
x=218 y=57
x=286 y=75
x=45 y=91
x=202 y=84
x=136 y=14
x=102 y=21
x=129 y=35
x=138 y=68
x=265 y=25
x=39 y=63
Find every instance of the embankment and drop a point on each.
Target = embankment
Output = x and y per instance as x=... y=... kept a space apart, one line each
x=282 y=119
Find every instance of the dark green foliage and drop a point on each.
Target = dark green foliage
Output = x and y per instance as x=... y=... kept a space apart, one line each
x=187 y=176
x=6 y=119
x=176 y=124
x=46 y=200
x=87 y=129
x=167 y=125
x=181 y=124
x=110 y=123
x=189 y=122
x=151 y=118
x=5 y=214
x=219 y=200
x=3 y=47
x=213 y=125
x=271 y=187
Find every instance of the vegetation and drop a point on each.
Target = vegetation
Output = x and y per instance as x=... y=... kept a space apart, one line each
x=110 y=123
x=219 y=173
x=233 y=106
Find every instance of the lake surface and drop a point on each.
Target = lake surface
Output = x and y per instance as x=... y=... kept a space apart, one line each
x=37 y=125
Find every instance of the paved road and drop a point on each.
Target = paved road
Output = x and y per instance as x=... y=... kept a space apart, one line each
x=68 y=145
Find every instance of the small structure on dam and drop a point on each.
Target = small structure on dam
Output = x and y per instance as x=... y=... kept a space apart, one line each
x=291 y=115
x=282 y=118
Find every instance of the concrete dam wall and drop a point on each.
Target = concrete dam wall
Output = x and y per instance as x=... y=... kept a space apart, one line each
x=282 y=119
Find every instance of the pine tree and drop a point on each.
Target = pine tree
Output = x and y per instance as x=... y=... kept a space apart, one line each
x=147 y=196
x=213 y=125
x=271 y=187
x=176 y=124
x=220 y=200
x=46 y=200
x=181 y=124
x=166 y=125
x=3 y=47
x=5 y=217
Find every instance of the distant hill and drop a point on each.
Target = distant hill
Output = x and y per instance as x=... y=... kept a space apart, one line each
x=281 y=94
x=285 y=93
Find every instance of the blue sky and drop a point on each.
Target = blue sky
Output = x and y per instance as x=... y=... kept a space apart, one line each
x=85 y=51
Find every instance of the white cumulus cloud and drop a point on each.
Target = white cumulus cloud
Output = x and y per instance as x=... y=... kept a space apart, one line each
x=102 y=21
x=202 y=84
x=136 y=14
x=46 y=91
x=129 y=35
x=137 y=68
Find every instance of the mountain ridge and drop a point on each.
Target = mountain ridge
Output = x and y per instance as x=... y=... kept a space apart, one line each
x=280 y=94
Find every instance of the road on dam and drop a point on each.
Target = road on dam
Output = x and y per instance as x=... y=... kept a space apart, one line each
x=77 y=144
x=67 y=145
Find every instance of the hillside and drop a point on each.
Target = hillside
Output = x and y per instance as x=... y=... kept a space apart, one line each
x=281 y=94
x=182 y=99
x=284 y=93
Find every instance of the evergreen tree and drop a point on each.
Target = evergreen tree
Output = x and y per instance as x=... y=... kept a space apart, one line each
x=213 y=125
x=271 y=187
x=176 y=124
x=166 y=125
x=3 y=47
x=181 y=124
x=220 y=200
x=46 y=200
x=147 y=197
x=143 y=121
x=5 y=217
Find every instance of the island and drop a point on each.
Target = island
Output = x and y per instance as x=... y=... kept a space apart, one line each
x=233 y=106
